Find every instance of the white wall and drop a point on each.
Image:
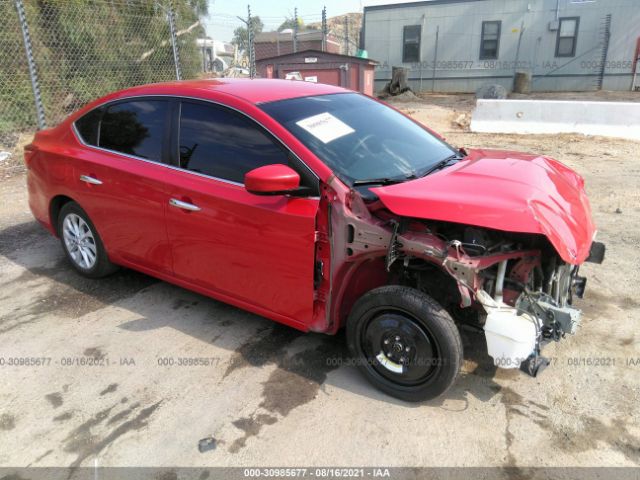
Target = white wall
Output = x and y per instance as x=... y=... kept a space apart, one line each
x=460 y=25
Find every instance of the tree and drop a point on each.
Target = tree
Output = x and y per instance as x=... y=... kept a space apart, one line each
x=241 y=36
x=84 y=49
x=290 y=22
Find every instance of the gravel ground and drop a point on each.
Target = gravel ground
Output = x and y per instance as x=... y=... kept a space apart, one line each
x=270 y=396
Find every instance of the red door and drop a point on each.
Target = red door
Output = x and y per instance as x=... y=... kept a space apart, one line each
x=254 y=251
x=122 y=185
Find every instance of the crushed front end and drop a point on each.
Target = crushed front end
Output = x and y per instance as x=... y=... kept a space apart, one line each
x=514 y=286
x=497 y=240
x=525 y=289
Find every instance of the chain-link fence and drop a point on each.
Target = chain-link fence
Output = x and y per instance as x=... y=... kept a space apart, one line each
x=58 y=55
x=16 y=95
x=81 y=50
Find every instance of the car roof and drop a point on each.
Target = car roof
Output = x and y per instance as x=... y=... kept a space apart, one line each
x=257 y=90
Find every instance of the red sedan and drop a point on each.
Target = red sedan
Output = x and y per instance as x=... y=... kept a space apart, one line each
x=322 y=208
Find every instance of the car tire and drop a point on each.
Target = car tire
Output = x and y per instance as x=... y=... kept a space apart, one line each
x=81 y=243
x=405 y=343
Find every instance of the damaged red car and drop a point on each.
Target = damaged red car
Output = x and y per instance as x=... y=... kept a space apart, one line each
x=323 y=209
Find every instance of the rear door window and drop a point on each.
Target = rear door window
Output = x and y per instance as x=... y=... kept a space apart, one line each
x=134 y=128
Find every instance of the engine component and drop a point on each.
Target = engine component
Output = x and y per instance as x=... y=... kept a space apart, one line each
x=579 y=285
x=558 y=321
x=568 y=318
x=502 y=268
x=476 y=241
x=596 y=253
x=534 y=365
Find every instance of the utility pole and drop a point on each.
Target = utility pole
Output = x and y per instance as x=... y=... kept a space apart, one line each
x=346 y=35
x=324 y=29
x=252 y=52
x=295 y=30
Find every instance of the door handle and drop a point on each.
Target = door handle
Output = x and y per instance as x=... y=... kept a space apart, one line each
x=184 y=205
x=91 y=180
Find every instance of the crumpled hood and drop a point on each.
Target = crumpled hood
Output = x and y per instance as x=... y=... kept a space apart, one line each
x=508 y=191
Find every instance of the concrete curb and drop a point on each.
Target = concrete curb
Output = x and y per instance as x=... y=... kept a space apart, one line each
x=609 y=119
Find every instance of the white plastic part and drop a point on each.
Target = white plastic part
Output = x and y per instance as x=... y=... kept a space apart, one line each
x=511 y=338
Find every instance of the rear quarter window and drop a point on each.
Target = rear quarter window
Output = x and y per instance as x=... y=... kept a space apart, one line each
x=88 y=126
x=134 y=128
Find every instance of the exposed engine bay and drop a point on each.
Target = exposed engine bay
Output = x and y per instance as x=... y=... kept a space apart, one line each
x=525 y=289
x=513 y=286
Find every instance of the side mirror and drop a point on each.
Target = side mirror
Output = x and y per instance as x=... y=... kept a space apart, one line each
x=275 y=179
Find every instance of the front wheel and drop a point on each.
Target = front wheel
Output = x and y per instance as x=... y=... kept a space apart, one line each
x=404 y=343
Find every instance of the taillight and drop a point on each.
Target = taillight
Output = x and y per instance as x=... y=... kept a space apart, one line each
x=29 y=152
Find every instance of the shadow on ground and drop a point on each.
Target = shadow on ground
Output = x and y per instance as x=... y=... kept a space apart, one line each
x=303 y=372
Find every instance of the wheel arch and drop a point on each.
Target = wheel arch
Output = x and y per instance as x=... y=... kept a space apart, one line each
x=358 y=279
x=55 y=206
x=370 y=273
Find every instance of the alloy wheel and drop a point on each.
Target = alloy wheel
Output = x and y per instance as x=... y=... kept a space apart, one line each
x=79 y=240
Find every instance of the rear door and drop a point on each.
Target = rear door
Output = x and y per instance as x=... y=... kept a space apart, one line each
x=254 y=251
x=121 y=179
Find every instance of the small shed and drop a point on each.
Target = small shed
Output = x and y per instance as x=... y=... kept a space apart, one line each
x=345 y=71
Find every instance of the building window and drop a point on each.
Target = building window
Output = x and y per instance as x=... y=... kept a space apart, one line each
x=567 y=37
x=411 y=43
x=490 y=41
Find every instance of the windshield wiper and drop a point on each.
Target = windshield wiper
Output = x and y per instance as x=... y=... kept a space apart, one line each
x=390 y=181
x=443 y=163
x=382 y=181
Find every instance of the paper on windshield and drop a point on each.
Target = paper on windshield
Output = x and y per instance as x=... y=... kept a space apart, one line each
x=325 y=127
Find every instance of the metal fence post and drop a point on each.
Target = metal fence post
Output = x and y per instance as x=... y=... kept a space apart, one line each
x=606 y=38
x=252 y=52
x=33 y=74
x=435 y=60
x=174 y=46
x=295 y=30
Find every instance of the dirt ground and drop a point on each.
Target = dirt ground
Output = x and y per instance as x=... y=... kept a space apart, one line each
x=105 y=391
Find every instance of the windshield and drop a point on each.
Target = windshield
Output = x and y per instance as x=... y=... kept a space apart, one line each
x=359 y=138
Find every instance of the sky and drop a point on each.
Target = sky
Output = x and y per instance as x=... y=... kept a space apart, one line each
x=222 y=13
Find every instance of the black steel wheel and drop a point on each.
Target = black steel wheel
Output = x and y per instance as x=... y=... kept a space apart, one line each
x=404 y=342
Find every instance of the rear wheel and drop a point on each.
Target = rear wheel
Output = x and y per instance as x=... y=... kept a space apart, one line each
x=404 y=342
x=81 y=242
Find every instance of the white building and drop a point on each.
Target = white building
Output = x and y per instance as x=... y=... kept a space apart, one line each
x=459 y=45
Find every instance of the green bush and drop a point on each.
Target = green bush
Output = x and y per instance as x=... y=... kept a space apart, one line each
x=84 y=49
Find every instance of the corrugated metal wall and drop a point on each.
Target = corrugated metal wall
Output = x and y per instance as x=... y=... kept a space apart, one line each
x=451 y=36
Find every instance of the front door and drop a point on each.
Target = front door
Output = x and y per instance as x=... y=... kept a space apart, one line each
x=254 y=251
